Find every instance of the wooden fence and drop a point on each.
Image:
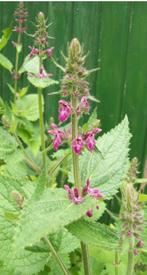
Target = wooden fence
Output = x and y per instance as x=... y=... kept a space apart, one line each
x=115 y=34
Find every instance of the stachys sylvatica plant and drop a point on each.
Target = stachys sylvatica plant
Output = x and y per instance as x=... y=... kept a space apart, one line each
x=59 y=181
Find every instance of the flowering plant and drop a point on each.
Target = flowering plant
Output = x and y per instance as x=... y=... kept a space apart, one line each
x=58 y=180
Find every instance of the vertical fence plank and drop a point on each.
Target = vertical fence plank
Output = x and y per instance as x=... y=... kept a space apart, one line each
x=86 y=27
x=112 y=53
x=134 y=100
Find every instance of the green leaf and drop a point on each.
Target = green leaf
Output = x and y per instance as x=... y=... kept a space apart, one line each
x=8 y=144
x=30 y=65
x=142 y=197
x=23 y=91
x=6 y=63
x=94 y=233
x=143 y=180
x=106 y=258
x=11 y=88
x=107 y=167
x=2 y=106
x=13 y=158
x=26 y=262
x=41 y=82
x=92 y=98
x=18 y=47
x=16 y=166
x=30 y=136
x=27 y=107
x=64 y=243
x=46 y=215
x=5 y=37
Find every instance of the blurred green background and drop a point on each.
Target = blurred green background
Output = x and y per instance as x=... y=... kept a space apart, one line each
x=115 y=34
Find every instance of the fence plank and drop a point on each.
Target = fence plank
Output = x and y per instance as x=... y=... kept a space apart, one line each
x=112 y=53
x=134 y=100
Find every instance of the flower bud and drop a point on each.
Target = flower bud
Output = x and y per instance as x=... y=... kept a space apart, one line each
x=74 y=49
x=19 y=199
x=89 y=213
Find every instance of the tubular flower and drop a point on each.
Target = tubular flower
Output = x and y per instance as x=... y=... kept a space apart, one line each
x=76 y=198
x=49 y=52
x=93 y=192
x=73 y=194
x=64 y=110
x=83 y=106
x=59 y=135
x=140 y=244
x=43 y=74
x=89 y=138
x=19 y=29
x=34 y=51
x=77 y=145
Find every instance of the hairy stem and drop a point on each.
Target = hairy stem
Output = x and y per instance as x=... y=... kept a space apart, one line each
x=77 y=179
x=56 y=256
x=130 y=265
x=16 y=66
x=85 y=257
x=75 y=157
x=41 y=121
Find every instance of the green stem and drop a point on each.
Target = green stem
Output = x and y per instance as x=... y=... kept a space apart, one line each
x=77 y=180
x=130 y=265
x=75 y=157
x=16 y=67
x=41 y=121
x=85 y=257
x=56 y=256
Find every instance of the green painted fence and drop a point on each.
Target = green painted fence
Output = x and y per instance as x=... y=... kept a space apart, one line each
x=115 y=34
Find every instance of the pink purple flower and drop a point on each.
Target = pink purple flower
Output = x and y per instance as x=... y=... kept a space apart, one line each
x=58 y=134
x=76 y=198
x=135 y=252
x=93 y=192
x=140 y=243
x=20 y=20
x=129 y=234
x=73 y=194
x=89 y=138
x=64 y=110
x=49 y=52
x=19 y=29
x=34 y=51
x=77 y=145
x=43 y=74
x=83 y=106
x=89 y=213
x=90 y=142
